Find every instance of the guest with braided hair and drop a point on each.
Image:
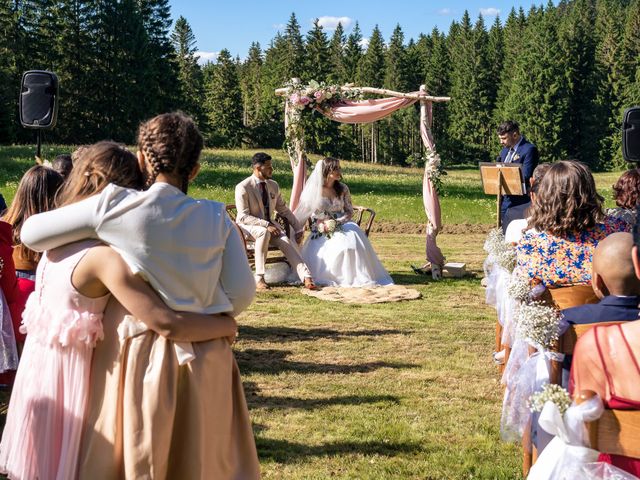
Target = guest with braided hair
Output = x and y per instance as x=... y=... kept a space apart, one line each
x=171 y=410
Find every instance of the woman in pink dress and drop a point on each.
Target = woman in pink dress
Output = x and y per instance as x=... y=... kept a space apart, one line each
x=41 y=438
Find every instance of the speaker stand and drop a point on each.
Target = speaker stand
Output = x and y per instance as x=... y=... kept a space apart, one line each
x=39 y=146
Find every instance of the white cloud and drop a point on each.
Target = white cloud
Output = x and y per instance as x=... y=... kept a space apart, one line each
x=278 y=26
x=364 y=43
x=205 y=57
x=444 y=11
x=331 y=23
x=489 y=12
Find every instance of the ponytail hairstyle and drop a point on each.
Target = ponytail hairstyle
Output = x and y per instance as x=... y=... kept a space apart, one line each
x=171 y=144
x=331 y=164
x=97 y=166
x=35 y=194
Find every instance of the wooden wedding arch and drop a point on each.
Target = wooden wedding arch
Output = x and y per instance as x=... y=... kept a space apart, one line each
x=337 y=103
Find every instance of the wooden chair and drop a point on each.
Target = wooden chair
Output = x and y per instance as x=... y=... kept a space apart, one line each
x=274 y=254
x=616 y=432
x=573 y=296
x=566 y=345
x=561 y=298
x=366 y=215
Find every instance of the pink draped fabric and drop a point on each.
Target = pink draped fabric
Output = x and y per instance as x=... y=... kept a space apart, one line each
x=363 y=111
x=429 y=194
x=299 y=178
x=366 y=111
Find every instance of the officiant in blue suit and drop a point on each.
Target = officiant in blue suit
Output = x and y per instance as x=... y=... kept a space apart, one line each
x=516 y=149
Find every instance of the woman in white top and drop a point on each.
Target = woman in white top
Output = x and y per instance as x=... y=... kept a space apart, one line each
x=338 y=253
x=150 y=412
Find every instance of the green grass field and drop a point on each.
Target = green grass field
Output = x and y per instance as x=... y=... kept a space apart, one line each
x=395 y=193
x=389 y=391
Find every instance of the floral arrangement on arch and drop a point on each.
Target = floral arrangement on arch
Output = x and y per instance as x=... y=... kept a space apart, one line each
x=318 y=95
x=434 y=170
x=307 y=98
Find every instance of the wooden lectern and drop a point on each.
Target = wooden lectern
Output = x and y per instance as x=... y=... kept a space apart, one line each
x=502 y=179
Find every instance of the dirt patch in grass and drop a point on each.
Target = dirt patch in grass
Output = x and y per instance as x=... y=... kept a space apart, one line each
x=417 y=228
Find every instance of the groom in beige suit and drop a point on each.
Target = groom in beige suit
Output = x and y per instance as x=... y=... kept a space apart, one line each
x=258 y=199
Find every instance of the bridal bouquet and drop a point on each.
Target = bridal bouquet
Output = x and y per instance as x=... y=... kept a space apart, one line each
x=324 y=224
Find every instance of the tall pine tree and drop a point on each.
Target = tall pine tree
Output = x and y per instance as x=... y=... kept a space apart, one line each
x=190 y=79
x=223 y=103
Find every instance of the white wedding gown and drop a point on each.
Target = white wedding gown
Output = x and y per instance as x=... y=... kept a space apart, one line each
x=347 y=259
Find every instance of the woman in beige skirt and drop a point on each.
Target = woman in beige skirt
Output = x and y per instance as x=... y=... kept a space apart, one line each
x=161 y=409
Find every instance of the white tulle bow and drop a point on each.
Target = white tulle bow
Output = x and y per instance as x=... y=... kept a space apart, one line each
x=569 y=450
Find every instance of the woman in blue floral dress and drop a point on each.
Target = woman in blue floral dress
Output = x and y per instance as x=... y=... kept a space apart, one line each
x=567 y=222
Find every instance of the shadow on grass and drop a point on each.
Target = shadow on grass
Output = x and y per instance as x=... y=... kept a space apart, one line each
x=415 y=279
x=283 y=451
x=255 y=400
x=290 y=334
x=274 y=361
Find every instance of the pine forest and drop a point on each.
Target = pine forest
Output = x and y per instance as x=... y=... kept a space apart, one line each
x=564 y=71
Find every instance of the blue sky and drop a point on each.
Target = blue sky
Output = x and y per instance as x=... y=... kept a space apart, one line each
x=234 y=24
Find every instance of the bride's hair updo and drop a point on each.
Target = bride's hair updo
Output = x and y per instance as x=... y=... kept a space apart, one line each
x=330 y=164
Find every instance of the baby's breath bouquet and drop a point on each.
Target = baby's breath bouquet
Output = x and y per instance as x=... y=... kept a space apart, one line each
x=507 y=258
x=550 y=393
x=494 y=241
x=519 y=288
x=500 y=252
x=539 y=324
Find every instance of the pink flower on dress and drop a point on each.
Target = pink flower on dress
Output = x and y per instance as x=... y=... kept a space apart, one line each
x=294 y=98
x=319 y=96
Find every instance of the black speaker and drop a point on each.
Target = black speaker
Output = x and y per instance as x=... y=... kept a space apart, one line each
x=631 y=134
x=39 y=99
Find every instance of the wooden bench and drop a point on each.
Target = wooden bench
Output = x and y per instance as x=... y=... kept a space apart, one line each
x=362 y=216
x=616 y=432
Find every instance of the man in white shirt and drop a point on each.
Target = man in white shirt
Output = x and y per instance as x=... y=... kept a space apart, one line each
x=257 y=201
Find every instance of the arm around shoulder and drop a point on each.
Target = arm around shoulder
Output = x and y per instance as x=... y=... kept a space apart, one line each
x=63 y=225
x=145 y=304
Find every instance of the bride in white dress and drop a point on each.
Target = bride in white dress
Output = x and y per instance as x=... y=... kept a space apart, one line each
x=343 y=257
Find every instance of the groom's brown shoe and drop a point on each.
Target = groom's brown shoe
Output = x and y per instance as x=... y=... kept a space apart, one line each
x=309 y=285
x=262 y=286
